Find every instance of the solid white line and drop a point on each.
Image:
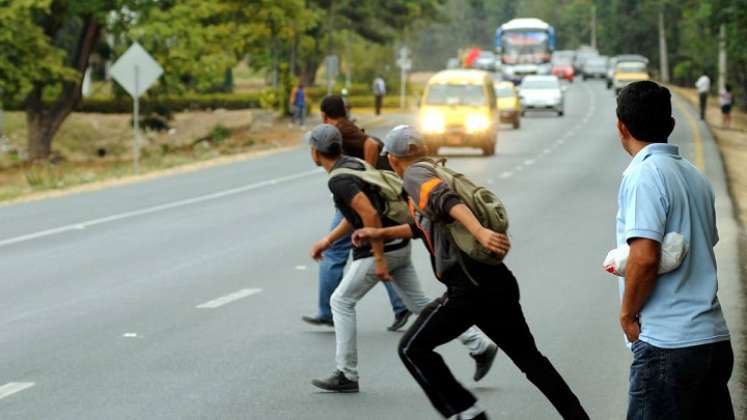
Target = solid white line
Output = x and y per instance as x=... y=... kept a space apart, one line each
x=13 y=387
x=155 y=209
x=217 y=303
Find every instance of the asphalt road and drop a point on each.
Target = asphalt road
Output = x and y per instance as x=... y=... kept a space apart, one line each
x=108 y=303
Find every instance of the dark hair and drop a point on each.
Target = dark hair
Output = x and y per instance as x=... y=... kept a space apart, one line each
x=334 y=152
x=333 y=106
x=646 y=110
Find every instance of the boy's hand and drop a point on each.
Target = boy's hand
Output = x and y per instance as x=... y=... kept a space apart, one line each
x=319 y=247
x=495 y=242
x=382 y=270
x=366 y=234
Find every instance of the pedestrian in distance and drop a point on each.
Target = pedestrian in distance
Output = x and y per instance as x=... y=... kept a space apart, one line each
x=379 y=90
x=703 y=85
x=357 y=144
x=297 y=101
x=673 y=322
x=726 y=100
x=481 y=290
x=367 y=197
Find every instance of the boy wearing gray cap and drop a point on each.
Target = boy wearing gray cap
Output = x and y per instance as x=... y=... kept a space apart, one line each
x=362 y=205
x=481 y=294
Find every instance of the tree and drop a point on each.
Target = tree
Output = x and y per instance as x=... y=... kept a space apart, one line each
x=45 y=46
x=374 y=21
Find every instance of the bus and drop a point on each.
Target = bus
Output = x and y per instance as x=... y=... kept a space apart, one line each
x=525 y=47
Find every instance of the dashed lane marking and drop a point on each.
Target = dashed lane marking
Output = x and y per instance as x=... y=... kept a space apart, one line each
x=224 y=300
x=14 y=387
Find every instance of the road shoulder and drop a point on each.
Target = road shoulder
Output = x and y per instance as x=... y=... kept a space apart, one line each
x=731 y=252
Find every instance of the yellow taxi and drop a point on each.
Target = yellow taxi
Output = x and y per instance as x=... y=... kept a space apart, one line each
x=627 y=72
x=509 y=105
x=459 y=109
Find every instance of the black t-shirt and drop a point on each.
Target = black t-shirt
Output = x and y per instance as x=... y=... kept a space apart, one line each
x=344 y=188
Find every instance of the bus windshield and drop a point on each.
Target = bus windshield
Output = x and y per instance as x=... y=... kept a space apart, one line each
x=525 y=47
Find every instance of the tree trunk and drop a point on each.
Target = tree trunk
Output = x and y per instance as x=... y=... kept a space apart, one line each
x=45 y=118
x=663 y=53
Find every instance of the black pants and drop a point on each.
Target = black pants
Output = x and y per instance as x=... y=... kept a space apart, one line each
x=379 y=100
x=497 y=312
x=703 y=102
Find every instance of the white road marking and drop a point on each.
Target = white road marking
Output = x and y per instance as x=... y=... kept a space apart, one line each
x=155 y=209
x=129 y=335
x=506 y=174
x=529 y=162
x=217 y=303
x=301 y=267
x=13 y=387
x=518 y=168
x=547 y=151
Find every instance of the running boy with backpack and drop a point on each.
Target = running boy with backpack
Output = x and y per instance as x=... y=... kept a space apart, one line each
x=367 y=197
x=464 y=228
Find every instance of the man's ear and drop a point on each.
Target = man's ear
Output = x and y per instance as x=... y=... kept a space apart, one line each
x=622 y=130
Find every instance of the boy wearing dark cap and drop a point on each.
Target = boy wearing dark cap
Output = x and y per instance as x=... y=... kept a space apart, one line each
x=485 y=295
x=381 y=260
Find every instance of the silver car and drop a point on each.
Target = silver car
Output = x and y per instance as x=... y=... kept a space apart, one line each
x=542 y=92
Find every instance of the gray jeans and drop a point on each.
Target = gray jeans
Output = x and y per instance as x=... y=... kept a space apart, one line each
x=359 y=279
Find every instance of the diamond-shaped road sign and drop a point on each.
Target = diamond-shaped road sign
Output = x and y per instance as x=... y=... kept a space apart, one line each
x=136 y=70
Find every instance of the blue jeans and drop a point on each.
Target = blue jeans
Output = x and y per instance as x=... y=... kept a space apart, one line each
x=299 y=113
x=331 y=269
x=685 y=384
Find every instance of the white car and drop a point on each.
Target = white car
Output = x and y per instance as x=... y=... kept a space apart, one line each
x=542 y=92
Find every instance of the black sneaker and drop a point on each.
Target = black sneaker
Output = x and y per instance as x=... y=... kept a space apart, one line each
x=316 y=320
x=484 y=361
x=400 y=320
x=336 y=383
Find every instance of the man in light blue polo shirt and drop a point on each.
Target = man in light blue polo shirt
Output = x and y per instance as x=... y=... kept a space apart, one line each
x=682 y=354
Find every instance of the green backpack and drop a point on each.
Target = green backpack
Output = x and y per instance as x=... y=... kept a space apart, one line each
x=487 y=208
x=389 y=186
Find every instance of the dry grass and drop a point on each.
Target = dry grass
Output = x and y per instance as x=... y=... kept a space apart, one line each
x=196 y=137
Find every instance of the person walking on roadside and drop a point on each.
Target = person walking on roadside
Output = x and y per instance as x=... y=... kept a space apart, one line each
x=357 y=144
x=682 y=355
x=726 y=100
x=703 y=85
x=364 y=204
x=478 y=293
x=379 y=90
x=297 y=101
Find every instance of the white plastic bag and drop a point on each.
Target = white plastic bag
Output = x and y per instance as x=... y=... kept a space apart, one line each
x=674 y=249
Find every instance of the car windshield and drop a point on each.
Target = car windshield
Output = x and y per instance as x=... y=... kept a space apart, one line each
x=448 y=94
x=504 y=91
x=539 y=84
x=631 y=67
x=597 y=62
x=562 y=61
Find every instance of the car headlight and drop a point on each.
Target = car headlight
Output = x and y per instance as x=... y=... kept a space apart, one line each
x=477 y=123
x=432 y=123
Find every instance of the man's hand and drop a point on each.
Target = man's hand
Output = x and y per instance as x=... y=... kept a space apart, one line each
x=631 y=327
x=319 y=247
x=382 y=270
x=366 y=234
x=495 y=242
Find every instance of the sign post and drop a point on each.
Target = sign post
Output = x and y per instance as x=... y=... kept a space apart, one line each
x=332 y=68
x=136 y=71
x=405 y=64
